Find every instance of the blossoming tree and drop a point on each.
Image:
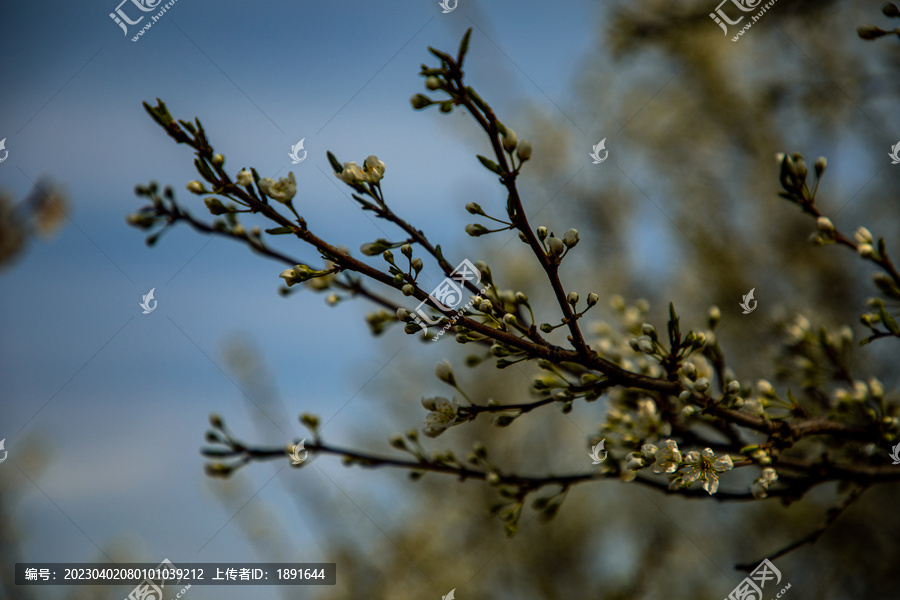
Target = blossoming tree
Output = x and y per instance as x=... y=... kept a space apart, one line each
x=679 y=419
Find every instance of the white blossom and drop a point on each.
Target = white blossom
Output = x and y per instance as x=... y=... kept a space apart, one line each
x=244 y=177
x=443 y=415
x=282 y=191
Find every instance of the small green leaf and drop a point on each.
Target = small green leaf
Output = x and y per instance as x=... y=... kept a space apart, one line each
x=335 y=163
x=280 y=230
x=441 y=55
x=889 y=321
x=490 y=165
x=464 y=46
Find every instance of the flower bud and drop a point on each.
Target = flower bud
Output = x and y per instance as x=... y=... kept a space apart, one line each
x=509 y=140
x=521 y=298
x=592 y=299
x=572 y=298
x=821 y=165
x=444 y=372
x=416 y=264
x=864 y=236
x=476 y=229
x=218 y=160
x=244 y=177
x=701 y=385
x=869 y=32
x=825 y=225
x=473 y=208
x=866 y=250
x=215 y=206
x=542 y=233
x=733 y=387
x=570 y=239
x=195 y=186
x=397 y=441
x=646 y=345
x=800 y=167
x=408 y=289
x=432 y=82
x=765 y=388
x=555 y=246
x=420 y=101
x=714 y=315
x=523 y=152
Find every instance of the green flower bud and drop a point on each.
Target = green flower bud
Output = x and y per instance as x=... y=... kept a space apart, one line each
x=542 y=233
x=869 y=32
x=218 y=160
x=408 y=289
x=406 y=250
x=416 y=264
x=215 y=206
x=420 y=101
x=432 y=83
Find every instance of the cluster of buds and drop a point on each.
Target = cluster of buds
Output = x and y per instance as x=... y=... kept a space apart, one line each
x=871 y=32
x=372 y=172
x=793 y=177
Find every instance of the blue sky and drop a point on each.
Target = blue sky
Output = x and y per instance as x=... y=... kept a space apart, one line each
x=121 y=399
